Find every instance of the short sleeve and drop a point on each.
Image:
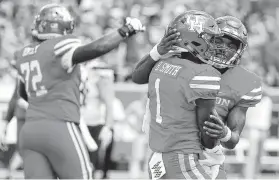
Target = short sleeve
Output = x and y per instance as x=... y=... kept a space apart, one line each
x=204 y=85
x=251 y=98
x=65 y=50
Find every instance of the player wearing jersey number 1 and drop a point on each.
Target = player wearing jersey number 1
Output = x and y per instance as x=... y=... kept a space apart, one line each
x=50 y=142
x=182 y=89
x=240 y=89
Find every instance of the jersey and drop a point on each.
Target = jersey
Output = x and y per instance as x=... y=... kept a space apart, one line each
x=174 y=85
x=239 y=87
x=51 y=81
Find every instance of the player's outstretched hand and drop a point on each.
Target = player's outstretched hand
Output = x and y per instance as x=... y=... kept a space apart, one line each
x=171 y=38
x=131 y=26
x=216 y=127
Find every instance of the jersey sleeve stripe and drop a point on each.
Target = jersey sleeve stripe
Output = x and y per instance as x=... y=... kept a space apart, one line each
x=66 y=59
x=254 y=94
x=66 y=41
x=204 y=82
x=206 y=78
x=65 y=48
x=245 y=97
x=256 y=90
x=205 y=86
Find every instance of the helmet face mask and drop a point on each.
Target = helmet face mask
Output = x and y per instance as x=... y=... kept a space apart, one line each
x=52 y=21
x=233 y=29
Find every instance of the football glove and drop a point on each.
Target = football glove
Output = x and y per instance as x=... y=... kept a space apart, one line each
x=131 y=27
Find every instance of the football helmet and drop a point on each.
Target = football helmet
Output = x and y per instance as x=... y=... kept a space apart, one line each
x=197 y=29
x=234 y=28
x=52 y=21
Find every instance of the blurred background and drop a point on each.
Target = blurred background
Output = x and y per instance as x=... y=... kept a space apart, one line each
x=97 y=17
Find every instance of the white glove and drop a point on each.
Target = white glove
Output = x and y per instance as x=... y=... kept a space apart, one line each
x=135 y=24
x=105 y=137
x=131 y=27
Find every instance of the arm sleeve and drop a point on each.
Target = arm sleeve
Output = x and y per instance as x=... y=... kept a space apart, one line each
x=204 y=85
x=251 y=98
x=143 y=68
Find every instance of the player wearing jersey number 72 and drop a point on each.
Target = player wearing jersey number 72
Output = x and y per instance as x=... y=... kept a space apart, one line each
x=51 y=142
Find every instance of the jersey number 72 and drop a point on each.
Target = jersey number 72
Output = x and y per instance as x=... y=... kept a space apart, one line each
x=32 y=72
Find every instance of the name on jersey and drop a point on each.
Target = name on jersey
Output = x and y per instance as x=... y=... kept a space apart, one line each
x=29 y=51
x=167 y=68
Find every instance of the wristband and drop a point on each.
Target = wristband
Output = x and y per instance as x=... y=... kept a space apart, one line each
x=123 y=31
x=154 y=54
x=228 y=136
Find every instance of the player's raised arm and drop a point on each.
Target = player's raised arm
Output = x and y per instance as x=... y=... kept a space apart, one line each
x=56 y=22
x=144 y=67
x=108 y=42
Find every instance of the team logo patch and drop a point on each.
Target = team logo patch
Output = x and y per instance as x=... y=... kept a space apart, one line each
x=157 y=166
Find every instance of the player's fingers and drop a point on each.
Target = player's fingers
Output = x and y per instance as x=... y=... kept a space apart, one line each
x=171 y=31
x=212 y=125
x=170 y=45
x=172 y=36
x=216 y=119
x=212 y=131
x=211 y=135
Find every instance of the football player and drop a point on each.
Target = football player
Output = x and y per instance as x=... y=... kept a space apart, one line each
x=182 y=90
x=240 y=89
x=50 y=141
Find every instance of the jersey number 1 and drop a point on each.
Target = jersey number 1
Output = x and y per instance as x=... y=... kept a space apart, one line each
x=158 y=108
x=27 y=69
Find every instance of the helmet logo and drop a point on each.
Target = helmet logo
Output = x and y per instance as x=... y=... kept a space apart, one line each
x=195 y=24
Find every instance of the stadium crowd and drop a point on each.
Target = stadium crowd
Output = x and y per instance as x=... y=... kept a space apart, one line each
x=95 y=18
x=98 y=17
